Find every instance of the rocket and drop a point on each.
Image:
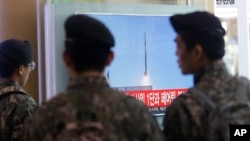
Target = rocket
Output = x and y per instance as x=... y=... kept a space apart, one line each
x=145 y=55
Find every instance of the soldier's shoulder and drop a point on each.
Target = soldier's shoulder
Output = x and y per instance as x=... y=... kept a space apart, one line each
x=52 y=109
x=185 y=101
x=60 y=100
x=131 y=106
x=19 y=98
x=24 y=96
x=185 y=97
x=128 y=99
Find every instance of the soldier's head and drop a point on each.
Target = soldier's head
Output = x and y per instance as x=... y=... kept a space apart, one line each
x=199 y=40
x=88 y=44
x=16 y=60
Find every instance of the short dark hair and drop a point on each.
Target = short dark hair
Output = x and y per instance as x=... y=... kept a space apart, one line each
x=7 y=66
x=86 y=56
x=212 y=44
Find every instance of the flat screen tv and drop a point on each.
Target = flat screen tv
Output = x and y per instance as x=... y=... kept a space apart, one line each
x=145 y=64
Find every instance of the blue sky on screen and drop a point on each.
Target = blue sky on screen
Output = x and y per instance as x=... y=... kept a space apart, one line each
x=128 y=67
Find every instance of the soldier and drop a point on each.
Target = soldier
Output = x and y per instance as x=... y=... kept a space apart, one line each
x=200 y=49
x=88 y=97
x=87 y=131
x=15 y=104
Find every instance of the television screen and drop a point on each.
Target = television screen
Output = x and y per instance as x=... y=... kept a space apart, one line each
x=145 y=65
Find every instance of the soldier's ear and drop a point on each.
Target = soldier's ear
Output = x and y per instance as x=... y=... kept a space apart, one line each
x=66 y=59
x=198 y=52
x=20 y=70
x=110 y=58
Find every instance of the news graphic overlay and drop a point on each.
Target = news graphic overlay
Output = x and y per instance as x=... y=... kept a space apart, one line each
x=239 y=132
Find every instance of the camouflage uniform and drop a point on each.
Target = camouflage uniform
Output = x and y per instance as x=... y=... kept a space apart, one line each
x=90 y=100
x=186 y=119
x=14 y=110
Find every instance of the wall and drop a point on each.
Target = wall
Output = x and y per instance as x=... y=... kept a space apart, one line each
x=18 y=20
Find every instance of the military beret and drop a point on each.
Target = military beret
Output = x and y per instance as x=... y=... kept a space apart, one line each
x=83 y=28
x=17 y=50
x=198 y=21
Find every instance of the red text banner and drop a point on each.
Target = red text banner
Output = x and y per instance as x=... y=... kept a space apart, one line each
x=157 y=98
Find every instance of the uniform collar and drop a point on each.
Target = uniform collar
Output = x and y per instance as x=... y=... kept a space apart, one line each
x=7 y=85
x=213 y=69
x=5 y=82
x=88 y=80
